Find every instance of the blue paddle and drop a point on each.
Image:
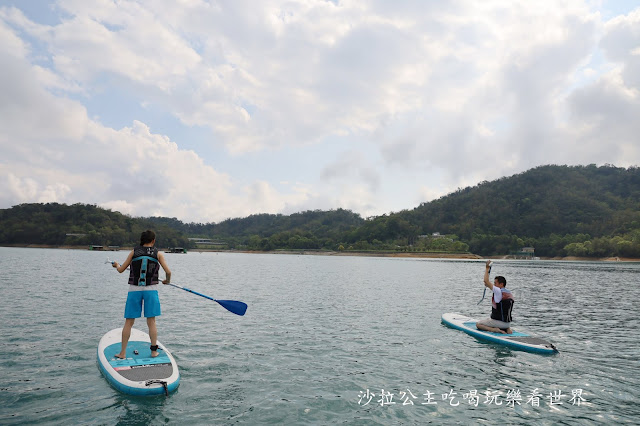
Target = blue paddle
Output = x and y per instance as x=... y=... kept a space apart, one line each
x=238 y=308
x=485 y=288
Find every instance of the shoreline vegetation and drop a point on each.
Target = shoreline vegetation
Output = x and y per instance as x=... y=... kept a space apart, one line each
x=425 y=255
x=550 y=212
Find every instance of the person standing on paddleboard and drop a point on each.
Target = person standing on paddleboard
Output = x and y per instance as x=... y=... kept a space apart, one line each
x=145 y=261
x=501 y=305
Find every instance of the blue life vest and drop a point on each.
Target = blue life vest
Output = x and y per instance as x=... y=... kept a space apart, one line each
x=144 y=266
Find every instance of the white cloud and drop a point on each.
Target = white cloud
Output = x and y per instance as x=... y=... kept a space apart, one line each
x=603 y=116
x=52 y=152
x=437 y=96
x=621 y=44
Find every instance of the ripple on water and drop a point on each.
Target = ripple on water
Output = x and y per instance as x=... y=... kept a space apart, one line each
x=319 y=333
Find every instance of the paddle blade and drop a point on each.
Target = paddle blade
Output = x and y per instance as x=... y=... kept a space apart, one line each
x=238 y=308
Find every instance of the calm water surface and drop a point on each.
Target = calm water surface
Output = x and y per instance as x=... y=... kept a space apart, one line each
x=326 y=339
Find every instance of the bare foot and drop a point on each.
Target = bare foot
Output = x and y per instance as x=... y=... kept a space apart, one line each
x=154 y=354
x=120 y=356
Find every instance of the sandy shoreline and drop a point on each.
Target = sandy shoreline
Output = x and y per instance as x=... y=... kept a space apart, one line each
x=350 y=253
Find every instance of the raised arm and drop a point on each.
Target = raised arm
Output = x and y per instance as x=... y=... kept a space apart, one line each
x=487 y=282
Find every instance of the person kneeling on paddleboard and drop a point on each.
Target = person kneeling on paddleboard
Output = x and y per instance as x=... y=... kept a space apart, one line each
x=501 y=305
x=145 y=261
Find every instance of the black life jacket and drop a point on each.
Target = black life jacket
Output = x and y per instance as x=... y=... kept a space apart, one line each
x=144 y=266
x=502 y=311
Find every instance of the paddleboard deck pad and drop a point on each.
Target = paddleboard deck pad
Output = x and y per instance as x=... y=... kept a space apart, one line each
x=138 y=373
x=517 y=340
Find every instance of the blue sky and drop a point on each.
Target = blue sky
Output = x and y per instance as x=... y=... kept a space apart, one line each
x=205 y=110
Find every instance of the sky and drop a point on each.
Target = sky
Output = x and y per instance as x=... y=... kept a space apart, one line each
x=206 y=110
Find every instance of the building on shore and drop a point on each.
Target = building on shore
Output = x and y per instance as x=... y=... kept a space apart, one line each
x=207 y=243
x=527 y=253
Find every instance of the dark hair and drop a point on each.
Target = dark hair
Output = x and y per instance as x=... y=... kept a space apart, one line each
x=502 y=280
x=147 y=236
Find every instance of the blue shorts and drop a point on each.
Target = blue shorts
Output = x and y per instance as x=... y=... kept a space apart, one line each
x=135 y=300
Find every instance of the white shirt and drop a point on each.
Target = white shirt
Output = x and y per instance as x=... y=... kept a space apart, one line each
x=497 y=294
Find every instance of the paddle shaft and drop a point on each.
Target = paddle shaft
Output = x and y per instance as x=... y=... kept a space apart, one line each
x=193 y=291
x=233 y=306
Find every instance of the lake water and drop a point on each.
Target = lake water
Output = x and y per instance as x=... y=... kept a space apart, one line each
x=326 y=339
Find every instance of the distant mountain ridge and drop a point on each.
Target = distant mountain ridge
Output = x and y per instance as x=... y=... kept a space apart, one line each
x=584 y=201
x=559 y=210
x=541 y=201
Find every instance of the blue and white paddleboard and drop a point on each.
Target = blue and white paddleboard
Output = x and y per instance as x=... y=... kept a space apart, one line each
x=139 y=373
x=517 y=340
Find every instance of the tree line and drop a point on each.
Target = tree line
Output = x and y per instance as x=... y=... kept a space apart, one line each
x=79 y=224
x=559 y=210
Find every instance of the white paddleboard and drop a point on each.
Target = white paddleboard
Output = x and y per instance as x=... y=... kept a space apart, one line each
x=139 y=373
x=517 y=340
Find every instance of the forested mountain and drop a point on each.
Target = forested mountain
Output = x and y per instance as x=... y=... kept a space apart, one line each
x=548 y=207
x=539 y=202
x=82 y=224
x=321 y=223
x=78 y=224
x=306 y=230
x=559 y=210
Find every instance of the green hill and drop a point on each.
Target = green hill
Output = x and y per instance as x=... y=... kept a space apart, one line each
x=539 y=202
x=547 y=207
x=82 y=224
x=78 y=224
x=558 y=210
x=313 y=229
